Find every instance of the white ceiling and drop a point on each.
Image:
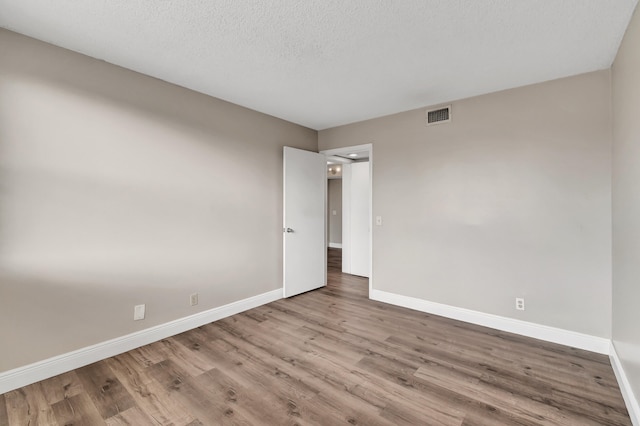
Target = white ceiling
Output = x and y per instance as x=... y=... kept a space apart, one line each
x=322 y=63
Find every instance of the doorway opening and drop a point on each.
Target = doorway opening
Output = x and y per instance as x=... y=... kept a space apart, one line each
x=349 y=210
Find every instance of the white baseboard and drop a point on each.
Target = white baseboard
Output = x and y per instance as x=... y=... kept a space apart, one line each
x=335 y=245
x=625 y=387
x=22 y=376
x=537 y=331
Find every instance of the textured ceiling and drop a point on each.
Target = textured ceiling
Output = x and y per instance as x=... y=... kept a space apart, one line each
x=322 y=63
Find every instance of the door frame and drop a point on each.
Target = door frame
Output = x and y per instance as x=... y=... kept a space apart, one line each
x=344 y=151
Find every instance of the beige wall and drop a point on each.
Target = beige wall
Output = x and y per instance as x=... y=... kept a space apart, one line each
x=118 y=189
x=511 y=199
x=335 y=203
x=626 y=203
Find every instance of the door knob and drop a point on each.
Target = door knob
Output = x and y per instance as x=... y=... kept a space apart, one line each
x=288 y=230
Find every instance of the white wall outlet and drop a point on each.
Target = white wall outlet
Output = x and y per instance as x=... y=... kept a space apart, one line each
x=520 y=303
x=379 y=220
x=193 y=299
x=138 y=312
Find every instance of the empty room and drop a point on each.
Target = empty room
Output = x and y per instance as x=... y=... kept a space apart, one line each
x=399 y=212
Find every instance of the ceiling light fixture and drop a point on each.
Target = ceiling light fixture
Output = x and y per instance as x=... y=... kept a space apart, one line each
x=353 y=154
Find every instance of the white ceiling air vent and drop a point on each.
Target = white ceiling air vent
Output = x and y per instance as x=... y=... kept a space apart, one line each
x=439 y=115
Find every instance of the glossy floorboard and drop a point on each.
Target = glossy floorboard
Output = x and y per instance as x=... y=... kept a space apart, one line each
x=331 y=357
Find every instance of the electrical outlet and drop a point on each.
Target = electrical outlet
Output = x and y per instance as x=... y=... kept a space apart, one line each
x=138 y=312
x=194 y=299
x=378 y=220
x=520 y=303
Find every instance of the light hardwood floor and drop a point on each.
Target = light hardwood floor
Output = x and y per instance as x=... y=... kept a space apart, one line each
x=331 y=357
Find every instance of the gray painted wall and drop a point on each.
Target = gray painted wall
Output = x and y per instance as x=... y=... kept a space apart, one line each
x=511 y=199
x=335 y=204
x=119 y=189
x=626 y=203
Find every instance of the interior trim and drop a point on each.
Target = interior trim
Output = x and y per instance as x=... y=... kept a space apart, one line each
x=574 y=339
x=32 y=373
x=625 y=387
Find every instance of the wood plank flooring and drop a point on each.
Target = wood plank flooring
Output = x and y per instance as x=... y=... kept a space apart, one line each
x=331 y=357
x=334 y=259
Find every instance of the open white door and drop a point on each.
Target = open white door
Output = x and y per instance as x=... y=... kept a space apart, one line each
x=355 y=219
x=305 y=194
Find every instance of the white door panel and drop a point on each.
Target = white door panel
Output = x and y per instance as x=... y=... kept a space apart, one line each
x=356 y=219
x=360 y=219
x=305 y=194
